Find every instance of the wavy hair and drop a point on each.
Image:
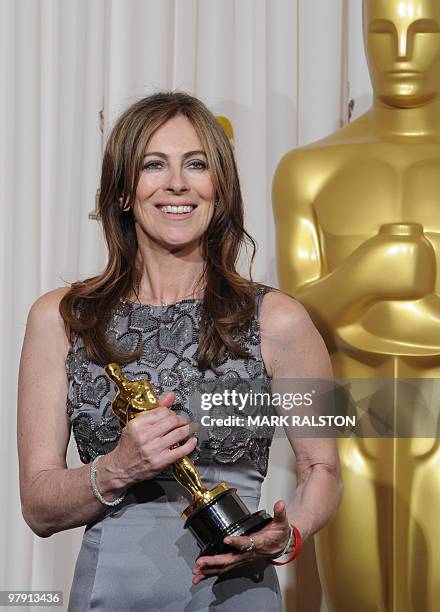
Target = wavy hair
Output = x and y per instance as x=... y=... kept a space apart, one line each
x=229 y=299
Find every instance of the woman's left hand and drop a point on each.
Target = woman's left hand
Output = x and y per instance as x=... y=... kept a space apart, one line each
x=269 y=542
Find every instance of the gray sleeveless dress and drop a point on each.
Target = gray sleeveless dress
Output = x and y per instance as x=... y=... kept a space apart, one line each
x=137 y=556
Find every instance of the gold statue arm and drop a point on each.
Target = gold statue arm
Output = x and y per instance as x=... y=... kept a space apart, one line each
x=298 y=245
x=400 y=252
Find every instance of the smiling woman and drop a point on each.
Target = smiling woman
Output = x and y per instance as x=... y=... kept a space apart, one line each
x=174 y=195
x=170 y=307
x=168 y=150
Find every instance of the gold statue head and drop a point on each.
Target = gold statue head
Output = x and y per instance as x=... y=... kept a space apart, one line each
x=402 y=42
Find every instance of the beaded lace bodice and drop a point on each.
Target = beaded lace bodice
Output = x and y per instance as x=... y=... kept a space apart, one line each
x=169 y=336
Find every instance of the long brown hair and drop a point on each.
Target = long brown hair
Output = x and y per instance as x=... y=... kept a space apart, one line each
x=229 y=299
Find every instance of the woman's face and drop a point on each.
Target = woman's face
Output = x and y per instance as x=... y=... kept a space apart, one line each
x=174 y=195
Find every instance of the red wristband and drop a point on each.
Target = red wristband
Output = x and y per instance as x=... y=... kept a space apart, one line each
x=295 y=552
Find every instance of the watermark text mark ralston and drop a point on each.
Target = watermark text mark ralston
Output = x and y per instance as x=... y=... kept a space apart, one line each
x=276 y=420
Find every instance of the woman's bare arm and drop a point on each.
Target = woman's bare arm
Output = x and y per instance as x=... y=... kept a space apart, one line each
x=54 y=497
x=292 y=348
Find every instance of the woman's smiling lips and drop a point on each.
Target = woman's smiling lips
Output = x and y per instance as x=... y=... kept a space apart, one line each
x=176 y=211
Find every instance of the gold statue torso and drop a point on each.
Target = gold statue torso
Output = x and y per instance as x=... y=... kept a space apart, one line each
x=367 y=187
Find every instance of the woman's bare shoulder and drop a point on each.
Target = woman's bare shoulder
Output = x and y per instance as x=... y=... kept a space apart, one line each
x=291 y=345
x=48 y=304
x=282 y=314
x=45 y=314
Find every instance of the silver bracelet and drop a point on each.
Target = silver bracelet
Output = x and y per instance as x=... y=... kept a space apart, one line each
x=286 y=548
x=95 y=490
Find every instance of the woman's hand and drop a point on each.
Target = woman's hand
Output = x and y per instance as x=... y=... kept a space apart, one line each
x=143 y=450
x=269 y=542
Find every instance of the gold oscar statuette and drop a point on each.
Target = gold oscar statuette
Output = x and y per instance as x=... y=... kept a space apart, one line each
x=358 y=243
x=215 y=513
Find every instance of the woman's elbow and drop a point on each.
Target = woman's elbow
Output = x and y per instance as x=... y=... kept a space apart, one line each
x=35 y=525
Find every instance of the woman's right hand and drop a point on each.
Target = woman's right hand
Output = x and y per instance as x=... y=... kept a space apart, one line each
x=143 y=450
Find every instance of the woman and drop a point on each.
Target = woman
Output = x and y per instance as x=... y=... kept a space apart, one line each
x=169 y=307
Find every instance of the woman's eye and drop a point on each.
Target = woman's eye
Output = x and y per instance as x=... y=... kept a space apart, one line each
x=153 y=165
x=198 y=164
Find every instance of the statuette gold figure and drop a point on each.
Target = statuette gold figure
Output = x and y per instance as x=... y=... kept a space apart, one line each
x=214 y=513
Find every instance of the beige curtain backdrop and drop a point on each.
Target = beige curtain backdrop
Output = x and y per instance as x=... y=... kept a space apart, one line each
x=281 y=70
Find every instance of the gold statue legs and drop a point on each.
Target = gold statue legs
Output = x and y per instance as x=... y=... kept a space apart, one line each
x=380 y=553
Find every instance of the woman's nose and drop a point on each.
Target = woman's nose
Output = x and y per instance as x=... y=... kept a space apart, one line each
x=176 y=181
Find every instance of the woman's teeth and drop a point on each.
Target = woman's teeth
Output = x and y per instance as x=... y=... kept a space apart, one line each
x=176 y=209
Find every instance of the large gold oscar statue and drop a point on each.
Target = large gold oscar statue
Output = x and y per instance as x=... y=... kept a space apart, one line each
x=358 y=239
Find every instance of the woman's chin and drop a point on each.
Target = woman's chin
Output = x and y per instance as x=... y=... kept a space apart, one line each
x=184 y=245
x=170 y=241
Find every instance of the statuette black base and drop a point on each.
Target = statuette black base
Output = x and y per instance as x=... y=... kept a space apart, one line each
x=226 y=515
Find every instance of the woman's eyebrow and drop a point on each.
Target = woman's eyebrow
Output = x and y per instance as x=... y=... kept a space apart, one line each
x=191 y=153
x=165 y=156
